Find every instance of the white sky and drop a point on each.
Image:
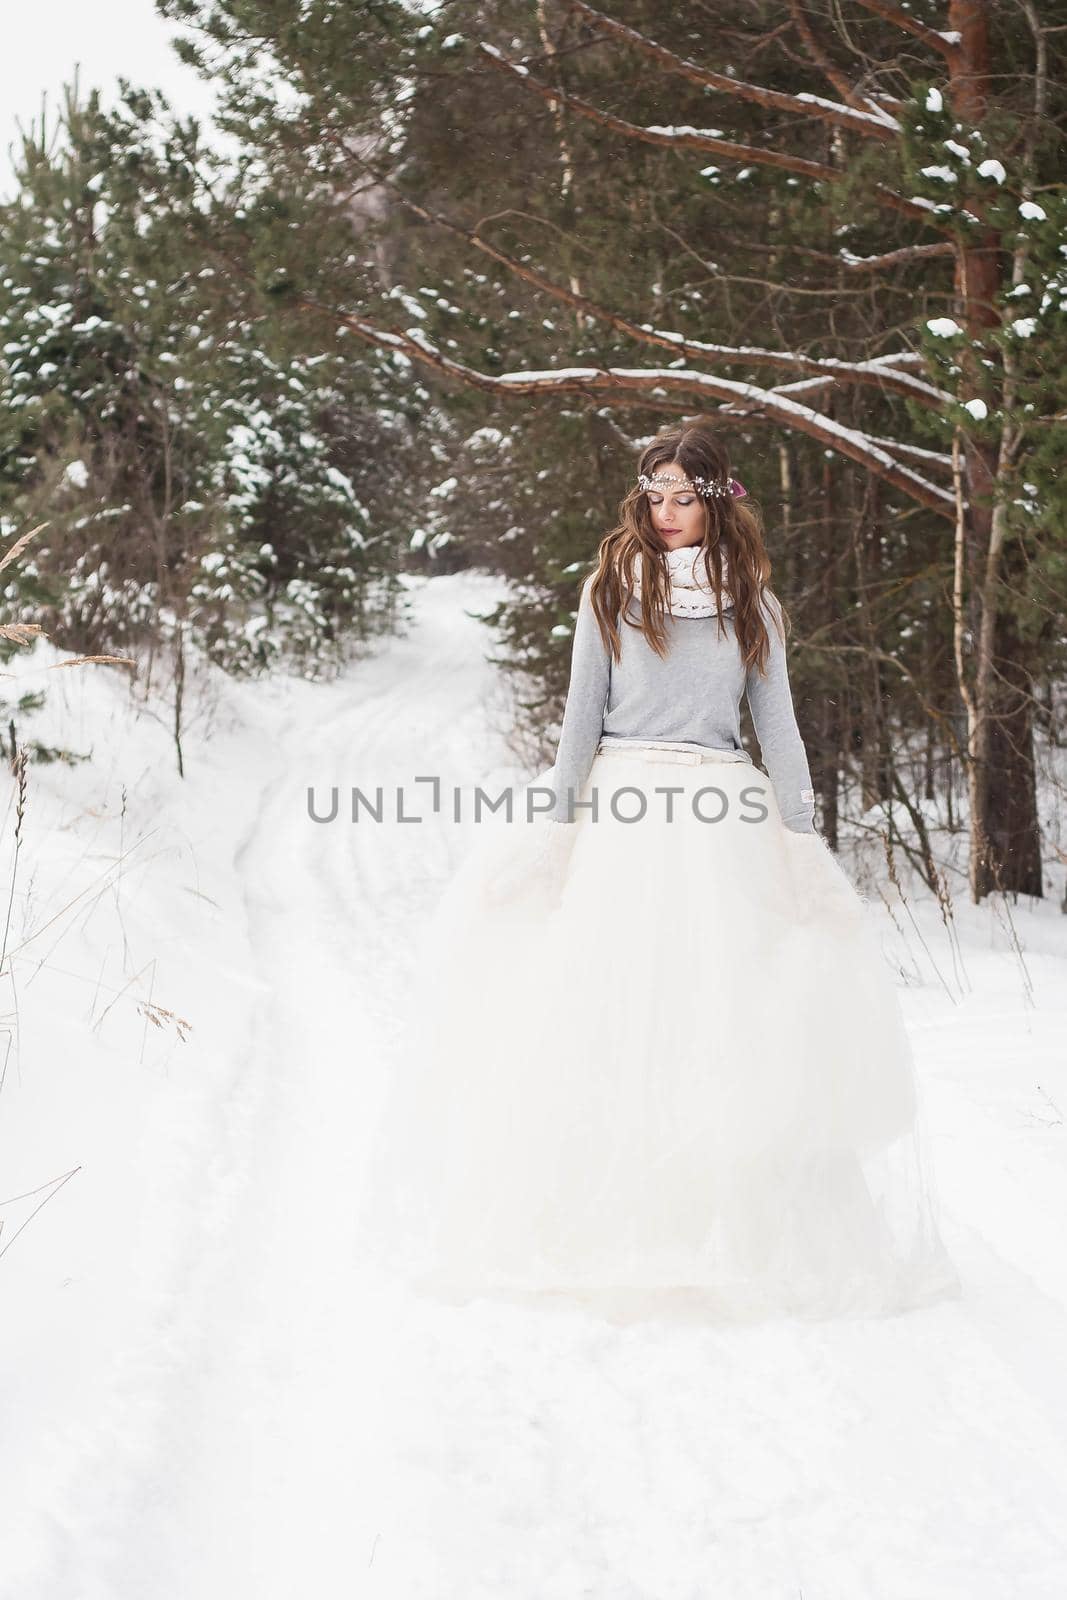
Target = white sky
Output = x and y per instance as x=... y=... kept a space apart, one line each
x=45 y=39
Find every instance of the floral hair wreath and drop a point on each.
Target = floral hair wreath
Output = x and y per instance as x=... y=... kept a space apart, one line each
x=704 y=486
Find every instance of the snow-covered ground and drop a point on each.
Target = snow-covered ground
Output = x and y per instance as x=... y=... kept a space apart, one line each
x=202 y=1400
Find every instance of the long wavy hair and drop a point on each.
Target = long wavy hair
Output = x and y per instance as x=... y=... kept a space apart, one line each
x=732 y=529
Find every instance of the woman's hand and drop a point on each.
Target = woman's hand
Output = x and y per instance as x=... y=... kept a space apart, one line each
x=821 y=883
x=533 y=866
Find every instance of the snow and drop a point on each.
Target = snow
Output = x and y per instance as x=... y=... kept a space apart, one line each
x=977 y=407
x=933 y=101
x=760 y=354
x=994 y=169
x=686 y=130
x=943 y=327
x=877 y=117
x=772 y=402
x=203 y=1396
x=489 y=438
x=1030 y=211
x=894 y=358
x=914 y=452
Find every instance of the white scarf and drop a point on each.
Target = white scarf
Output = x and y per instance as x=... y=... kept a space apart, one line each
x=690 y=592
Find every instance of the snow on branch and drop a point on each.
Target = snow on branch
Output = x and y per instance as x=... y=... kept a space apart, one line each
x=775 y=407
x=819 y=385
x=882 y=372
x=947 y=44
x=914 y=452
x=827 y=368
x=845 y=88
x=900 y=358
x=874 y=123
x=896 y=447
x=895 y=258
x=656 y=383
x=682 y=137
x=679 y=137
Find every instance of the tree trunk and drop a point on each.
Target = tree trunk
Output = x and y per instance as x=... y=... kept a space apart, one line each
x=1005 y=844
x=1012 y=859
x=825 y=776
x=866 y=527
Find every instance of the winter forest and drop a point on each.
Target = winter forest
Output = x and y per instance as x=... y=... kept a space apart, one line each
x=311 y=422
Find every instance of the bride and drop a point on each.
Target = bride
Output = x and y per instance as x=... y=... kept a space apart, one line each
x=654 y=1044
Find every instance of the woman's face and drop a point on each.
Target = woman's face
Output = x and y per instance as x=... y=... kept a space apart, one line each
x=677 y=512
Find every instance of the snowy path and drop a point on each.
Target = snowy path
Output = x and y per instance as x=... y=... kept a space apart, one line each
x=280 y=1428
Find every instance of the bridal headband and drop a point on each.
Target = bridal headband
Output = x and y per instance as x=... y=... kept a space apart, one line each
x=705 y=486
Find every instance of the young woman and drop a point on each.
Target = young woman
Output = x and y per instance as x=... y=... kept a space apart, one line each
x=659 y=1047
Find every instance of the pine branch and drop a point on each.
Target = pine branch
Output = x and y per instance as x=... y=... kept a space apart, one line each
x=947 y=44
x=873 y=124
x=655 y=383
x=896 y=447
x=843 y=258
x=672 y=138
x=685 y=138
x=914 y=452
x=868 y=373
x=895 y=258
x=845 y=88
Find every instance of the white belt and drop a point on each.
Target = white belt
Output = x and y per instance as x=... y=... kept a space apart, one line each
x=684 y=754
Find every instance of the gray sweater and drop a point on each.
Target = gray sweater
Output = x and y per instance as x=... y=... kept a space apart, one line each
x=691 y=697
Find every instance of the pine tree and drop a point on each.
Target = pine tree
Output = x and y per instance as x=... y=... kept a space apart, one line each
x=836 y=270
x=209 y=475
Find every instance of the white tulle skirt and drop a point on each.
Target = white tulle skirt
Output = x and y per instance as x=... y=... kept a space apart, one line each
x=680 y=1067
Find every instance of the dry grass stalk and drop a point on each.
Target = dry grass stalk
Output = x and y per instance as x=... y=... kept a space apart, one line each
x=53 y=1187
x=80 y=661
x=159 y=1015
x=19 y=545
x=895 y=880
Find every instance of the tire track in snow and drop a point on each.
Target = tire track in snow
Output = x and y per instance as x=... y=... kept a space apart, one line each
x=255 y=1462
